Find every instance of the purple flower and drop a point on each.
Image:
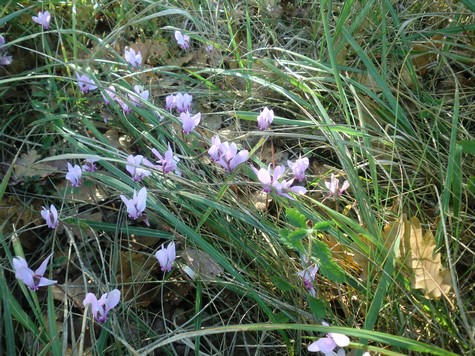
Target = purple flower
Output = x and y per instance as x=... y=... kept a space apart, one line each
x=125 y=108
x=226 y=155
x=134 y=58
x=183 y=102
x=90 y=165
x=143 y=94
x=209 y=48
x=299 y=167
x=333 y=186
x=100 y=308
x=136 y=205
x=189 y=122
x=170 y=102
x=327 y=345
x=51 y=216
x=85 y=83
x=43 y=19
x=133 y=168
x=166 y=256
x=308 y=276
x=109 y=94
x=268 y=176
x=74 y=175
x=5 y=59
x=167 y=163
x=270 y=181
x=35 y=279
x=182 y=40
x=265 y=118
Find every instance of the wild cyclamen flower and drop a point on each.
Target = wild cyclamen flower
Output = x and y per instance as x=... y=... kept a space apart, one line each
x=308 y=276
x=182 y=40
x=167 y=162
x=166 y=256
x=226 y=155
x=299 y=167
x=133 y=168
x=134 y=58
x=209 y=48
x=110 y=94
x=100 y=308
x=139 y=90
x=35 y=279
x=189 y=122
x=333 y=186
x=51 y=216
x=85 y=83
x=136 y=205
x=90 y=165
x=74 y=175
x=180 y=102
x=270 y=181
x=327 y=344
x=265 y=118
x=43 y=19
x=4 y=58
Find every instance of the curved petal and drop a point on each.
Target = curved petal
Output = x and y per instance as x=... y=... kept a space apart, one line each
x=113 y=298
x=42 y=268
x=340 y=339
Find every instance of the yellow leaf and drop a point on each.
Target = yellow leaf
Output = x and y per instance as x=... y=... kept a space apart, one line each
x=428 y=272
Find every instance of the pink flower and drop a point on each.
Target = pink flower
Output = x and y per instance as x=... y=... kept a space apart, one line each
x=85 y=83
x=170 y=102
x=136 y=205
x=100 y=308
x=133 y=168
x=183 y=102
x=299 y=167
x=143 y=94
x=4 y=58
x=74 y=175
x=270 y=181
x=51 y=216
x=265 y=118
x=308 y=275
x=167 y=163
x=189 y=122
x=333 y=186
x=327 y=345
x=134 y=58
x=90 y=165
x=182 y=40
x=43 y=19
x=35 y=279
x=226 y=155
x=166 y=256
x=109 y=94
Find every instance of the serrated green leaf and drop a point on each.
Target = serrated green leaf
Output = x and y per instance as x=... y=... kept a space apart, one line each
x=323 y=225
x=317 y=306
x=328 y=267
x=295 y=218
x=292 y=240
x=282 y=284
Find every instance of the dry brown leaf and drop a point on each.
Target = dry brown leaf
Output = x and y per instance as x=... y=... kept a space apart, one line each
x=202 y=264
x=74 y=290
x=429 y=274
x=26 y=167
x=134 y=275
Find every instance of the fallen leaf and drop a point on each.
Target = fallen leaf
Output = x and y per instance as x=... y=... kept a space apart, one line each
x=26 y=167
x=201 y=264
x=429 y=274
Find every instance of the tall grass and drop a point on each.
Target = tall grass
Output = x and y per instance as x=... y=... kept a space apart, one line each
x=375 y=92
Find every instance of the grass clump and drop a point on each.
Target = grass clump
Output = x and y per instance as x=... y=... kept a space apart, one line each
x=375 y=242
